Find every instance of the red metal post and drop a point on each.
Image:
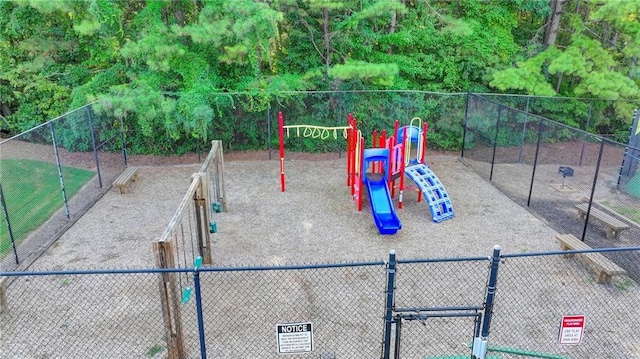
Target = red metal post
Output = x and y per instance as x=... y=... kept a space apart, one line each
x=350 y=148
x=281 y=135
x=381 y=144
x=353 y=141
x=395 y=129
x=402 y=165
x=394 y=138
x=425 y=127
x=361 y=170
x=374 y=144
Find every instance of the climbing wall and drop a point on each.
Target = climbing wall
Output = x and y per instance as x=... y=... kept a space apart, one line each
x=433 y=191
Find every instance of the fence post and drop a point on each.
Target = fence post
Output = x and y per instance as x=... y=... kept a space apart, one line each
x=464 y=125
x=396 y=351
x=93 y=143
x=495 y=142
x=169 y=300
x=6 y=217
x=480 y=343
x=269 y=128
x=55 y=153
x=202 y=218
x=524 y=129
x=219 y=163
x=586 y=129
x=124 y=143
x=593 y=190
x=535 y=160
x=388 y=305
x=198 y=294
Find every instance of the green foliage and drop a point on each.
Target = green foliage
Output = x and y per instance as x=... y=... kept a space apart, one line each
x=165 y=68
x=527 y=76
x=596 y=56
x=154 y=349
x=377 y=74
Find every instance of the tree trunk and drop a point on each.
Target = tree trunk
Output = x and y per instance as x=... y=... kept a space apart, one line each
x=553 y=22
x=558 y=82
x=326 y=39
x=5 y=110
x=614 y=38
x=259 y=56
x=392 y=28
x=394 y=19
x=179 y=14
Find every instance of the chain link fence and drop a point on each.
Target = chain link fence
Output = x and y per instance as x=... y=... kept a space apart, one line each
x=434 y=308
x=437 y=308
x=51 y=175
x=84 y=150
x=572 y=179
x=536 y=291
x=76 y=315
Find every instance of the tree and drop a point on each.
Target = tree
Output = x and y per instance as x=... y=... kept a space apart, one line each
x=588 y=62
x=161 y=66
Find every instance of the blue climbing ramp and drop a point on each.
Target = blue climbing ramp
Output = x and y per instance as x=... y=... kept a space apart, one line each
x=433 y=191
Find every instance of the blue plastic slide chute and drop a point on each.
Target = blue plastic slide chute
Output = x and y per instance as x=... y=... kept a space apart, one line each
x=384 y=215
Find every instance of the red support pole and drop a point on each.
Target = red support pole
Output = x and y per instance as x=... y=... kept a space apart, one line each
x=374 y=144
x=353 y=141
x=374 y=141
x=354 y=160
x=402 y=165
x=382 y=144
x=425 y=127
x=391 y=164
x=349 y=135
x=393 y=139
x=281 y=135
x=395 y=129
x=362 y=174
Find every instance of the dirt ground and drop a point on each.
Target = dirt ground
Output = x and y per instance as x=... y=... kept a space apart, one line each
x=314 y=221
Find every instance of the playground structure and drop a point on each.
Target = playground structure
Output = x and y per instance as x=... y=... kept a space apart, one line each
x=407 y=151
x=186 y=242
x=378 y=168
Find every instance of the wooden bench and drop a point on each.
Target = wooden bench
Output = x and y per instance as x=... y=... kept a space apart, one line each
x=129 y=175
x=612 y=225
x=604 y=268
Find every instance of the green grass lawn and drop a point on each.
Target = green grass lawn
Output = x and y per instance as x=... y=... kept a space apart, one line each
x=632 y=214
x=633 y=186
x=32 y=194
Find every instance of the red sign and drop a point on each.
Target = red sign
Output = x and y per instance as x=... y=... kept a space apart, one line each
x=571 y=329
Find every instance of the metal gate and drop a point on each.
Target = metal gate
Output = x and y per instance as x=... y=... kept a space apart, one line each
x=458 y=331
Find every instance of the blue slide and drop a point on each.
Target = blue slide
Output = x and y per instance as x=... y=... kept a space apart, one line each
x=382 y=209
x=384 y=215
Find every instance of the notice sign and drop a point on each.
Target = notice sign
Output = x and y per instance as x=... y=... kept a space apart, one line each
x=571 y=329
x=295 y=338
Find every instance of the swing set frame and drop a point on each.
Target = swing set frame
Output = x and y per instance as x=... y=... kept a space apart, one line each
x=192 y=223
